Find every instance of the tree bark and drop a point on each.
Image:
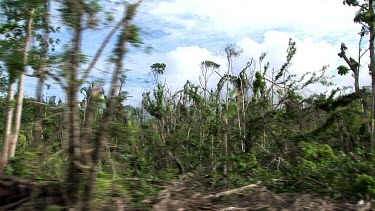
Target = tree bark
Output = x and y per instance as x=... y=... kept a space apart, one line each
x=74 y=177
x=226 y=119
x=7 y=126
x=38 y=115
x=11 y=135
x=355 y=69
x=88 y=125
x=372 y=70
x=41 y=75
x=19 y=105
x=104 y=126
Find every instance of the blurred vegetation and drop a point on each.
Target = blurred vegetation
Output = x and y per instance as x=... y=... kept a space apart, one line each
x=254 y=125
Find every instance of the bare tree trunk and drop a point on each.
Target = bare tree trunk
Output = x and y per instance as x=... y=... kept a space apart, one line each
x=363 y=97
x=7 y=126
x=225 y=145
x=354 y=67
x=40 y=85
x=226 y=119
x=11 y=135
x=104 y=126
x=207 y=69
x=38 y=115
x=74 y=177
x=357 y=86
x=341 y=133
x=88 y=125
x=64 y=128
x=372 y=70
x=17 y=121
x=10 y=109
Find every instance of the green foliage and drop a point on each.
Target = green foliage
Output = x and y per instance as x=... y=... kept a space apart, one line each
x=36 y=163
x=316 y=152
x=287 y=141
x=54 y=208
x=365 y=184
x=14 y=31
x=167 y=174
x=3 y=81
x=290 y=54
x=104 y=182
x=331 y=104
x=320 y=169
x=12 y=56
x=72 y=13
x=343 y=70
x=135 y=38
x=244 y=162
x=350 y=2
x=259 y=85
x=232 y=51
x=364 y=14
x=22 y=165
x=210 y=64
x=158 y=68
x=157 y=106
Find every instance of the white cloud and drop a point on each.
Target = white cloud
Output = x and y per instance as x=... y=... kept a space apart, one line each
x=183 y=64
x=310 y=55
x=187 y=32
x=316 y=18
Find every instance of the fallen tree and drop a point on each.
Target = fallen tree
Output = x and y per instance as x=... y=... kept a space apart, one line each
x=17 y=193
x=187 y=194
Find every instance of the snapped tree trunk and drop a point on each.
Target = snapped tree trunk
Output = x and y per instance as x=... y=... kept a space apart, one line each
x=355 y=67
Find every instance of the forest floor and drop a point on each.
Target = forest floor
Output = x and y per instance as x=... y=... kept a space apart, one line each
x=188 y=194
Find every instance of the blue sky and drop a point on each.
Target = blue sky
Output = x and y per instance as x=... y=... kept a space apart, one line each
x=186 y=32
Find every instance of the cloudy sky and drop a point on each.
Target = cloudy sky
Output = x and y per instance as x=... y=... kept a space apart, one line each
x=184 y=33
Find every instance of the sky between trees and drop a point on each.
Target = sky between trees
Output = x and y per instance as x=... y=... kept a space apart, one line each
x=184 y=33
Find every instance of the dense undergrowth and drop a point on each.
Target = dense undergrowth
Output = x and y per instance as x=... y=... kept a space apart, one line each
x=317 y=170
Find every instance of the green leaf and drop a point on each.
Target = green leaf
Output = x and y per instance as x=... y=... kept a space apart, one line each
x=343 y=70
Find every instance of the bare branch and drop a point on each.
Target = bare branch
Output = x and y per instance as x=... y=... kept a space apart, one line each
x=101 y=49
x=58 y=80
x=81 y=166
x=103 y=45
x=364 y=52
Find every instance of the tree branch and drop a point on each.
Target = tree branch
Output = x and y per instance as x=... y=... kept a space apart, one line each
x=58 y=80
x=100 y=50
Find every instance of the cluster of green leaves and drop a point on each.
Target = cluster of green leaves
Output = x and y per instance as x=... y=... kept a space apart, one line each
x=339 y=174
